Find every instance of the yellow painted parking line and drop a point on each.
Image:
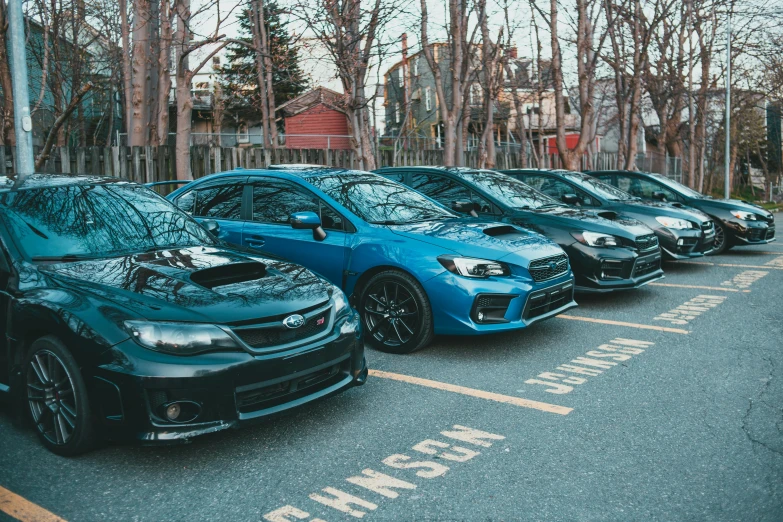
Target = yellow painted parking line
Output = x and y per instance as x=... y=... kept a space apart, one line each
x=621 y=323
x=24 y=510
x=472 y=392
x=730 y=265
x=700 y=287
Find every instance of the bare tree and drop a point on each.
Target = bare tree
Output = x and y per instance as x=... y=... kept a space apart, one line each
x=492 y=80
x=7 y=136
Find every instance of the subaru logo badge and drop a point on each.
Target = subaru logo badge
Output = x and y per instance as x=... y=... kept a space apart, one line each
x=552 y=265
x=293 y=321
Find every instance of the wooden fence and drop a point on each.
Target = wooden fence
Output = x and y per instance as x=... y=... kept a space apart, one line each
x=148 y=164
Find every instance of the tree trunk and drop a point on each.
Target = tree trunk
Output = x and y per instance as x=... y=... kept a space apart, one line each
x=7 y=136
x=184 y=98
x=126 y=67
x=139 y=133
x=164 y=77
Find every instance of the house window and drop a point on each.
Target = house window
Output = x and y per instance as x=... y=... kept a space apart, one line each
x=475 y=94
x=416 y=67
x=400 y=78
x=396 y=113
x=243 y=136
x=428 y=98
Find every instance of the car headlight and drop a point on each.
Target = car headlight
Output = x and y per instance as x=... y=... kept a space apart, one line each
x=596 y=239
x=679 y=224
x=471 y=267
x=340 y=301
x=745 y=216
x=180 y=338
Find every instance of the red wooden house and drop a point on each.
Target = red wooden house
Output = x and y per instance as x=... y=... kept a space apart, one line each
x=315 y=120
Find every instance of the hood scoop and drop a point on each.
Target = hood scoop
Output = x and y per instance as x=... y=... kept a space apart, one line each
x=228 y=274
x=506 y=232
x=608 y=214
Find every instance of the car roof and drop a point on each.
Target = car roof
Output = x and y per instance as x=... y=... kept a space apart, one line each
x=41 y=181
x=301 y=173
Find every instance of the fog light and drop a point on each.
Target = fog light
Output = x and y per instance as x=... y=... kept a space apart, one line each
x=172 y=412
x=480 y=316
x=603 y=275
x=680 y=242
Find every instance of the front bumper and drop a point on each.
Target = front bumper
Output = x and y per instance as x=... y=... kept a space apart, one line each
x=220 y=390
x=455 y=301
x=608 y=269
x=685 y=244
x=743 y=232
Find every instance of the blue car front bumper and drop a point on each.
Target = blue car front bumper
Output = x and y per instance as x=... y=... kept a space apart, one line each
x=506 y=303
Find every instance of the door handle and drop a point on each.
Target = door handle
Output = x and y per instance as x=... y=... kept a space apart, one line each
x=254 y=240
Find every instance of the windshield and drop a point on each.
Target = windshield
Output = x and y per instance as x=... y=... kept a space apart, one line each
x=598 y=187
x=509 y=191
x=379 y=200
x=678 y=187
x=96 y=221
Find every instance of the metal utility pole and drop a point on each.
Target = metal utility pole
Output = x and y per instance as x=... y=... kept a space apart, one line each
x=23 y=124
x=727 y=160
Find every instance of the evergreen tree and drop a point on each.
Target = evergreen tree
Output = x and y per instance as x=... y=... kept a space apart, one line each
x=240 y=78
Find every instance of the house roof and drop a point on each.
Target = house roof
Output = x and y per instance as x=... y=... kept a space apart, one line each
x=318 y=96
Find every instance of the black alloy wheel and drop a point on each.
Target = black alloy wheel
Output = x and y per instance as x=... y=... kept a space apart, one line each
x=56 y=396
x=396 y=312
x=721 y=242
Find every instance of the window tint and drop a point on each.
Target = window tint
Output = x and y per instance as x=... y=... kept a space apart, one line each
x=557 y=189
x=219 y=201
x=185 y=201
x=644 y=189
x=446 y=191
x=399 y=177
x=275 y=201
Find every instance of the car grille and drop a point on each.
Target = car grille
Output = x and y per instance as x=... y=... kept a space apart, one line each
x=261 y=396
x=276 y=334
x=544 y=301
x=648 y=242
x=646 y=265
x=761 y=234
x=541 y=270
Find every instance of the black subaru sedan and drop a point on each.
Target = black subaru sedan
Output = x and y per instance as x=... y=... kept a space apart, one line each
x=683 y=233
x=737 y=222
x=605 y=254
x=123 y=318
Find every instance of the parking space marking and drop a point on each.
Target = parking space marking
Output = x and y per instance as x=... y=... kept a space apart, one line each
x=623 y=323
x=777 y=262
x=699 y=287
x=23 y=510
x=598 y=360
x=472 y=392
x=744 y=279
x=691 y=309
x=386 y=485
x=729 y=265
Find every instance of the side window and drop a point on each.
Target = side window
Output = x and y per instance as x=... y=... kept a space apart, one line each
x=534 y=181
x=219 y=201
x=275 y=201
x=186 y=201
x=446 y=191
x=644 y=189
x=399 y=177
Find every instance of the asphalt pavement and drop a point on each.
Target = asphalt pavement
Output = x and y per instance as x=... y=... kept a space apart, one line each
x=663 y=403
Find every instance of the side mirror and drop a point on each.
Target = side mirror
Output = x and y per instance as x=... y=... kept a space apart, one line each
x=212 y=226
x=308 y=221
x=659 y=196
x=569 y=199
x=465 y=207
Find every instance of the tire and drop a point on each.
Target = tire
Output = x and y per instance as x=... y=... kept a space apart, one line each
x=724 y=245
x=403 y=327
x=56 y=398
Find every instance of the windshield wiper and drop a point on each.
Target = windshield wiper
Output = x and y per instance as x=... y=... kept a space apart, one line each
x=163 y=247
x=551 y=205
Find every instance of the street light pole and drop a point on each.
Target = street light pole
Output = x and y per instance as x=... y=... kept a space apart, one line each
x=727 y=160
x=23 y=124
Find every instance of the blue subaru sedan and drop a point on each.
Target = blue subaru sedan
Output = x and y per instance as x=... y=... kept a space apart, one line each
x=412 y=268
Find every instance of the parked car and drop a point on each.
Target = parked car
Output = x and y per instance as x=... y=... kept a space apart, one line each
x=683 y=233
x=123 y=317
x=413 y=268
x=605 y=254
x=737 y=222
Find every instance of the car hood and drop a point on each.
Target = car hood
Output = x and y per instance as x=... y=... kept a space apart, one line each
x=573 y=219
x=482 y=239
x=196 y=284
x=731 y=204
x=653 y=209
